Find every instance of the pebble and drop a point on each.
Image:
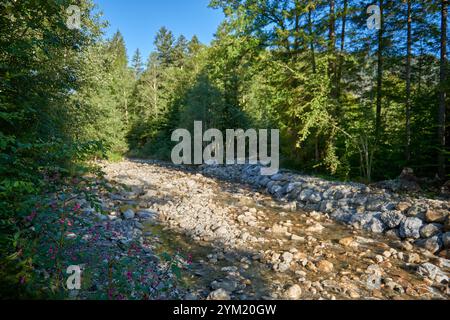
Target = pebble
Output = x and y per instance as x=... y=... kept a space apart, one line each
x=219 y=294
x=294 y=292
x=325 y=266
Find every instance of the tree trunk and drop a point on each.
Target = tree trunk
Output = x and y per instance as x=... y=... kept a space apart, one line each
x=297 y=27
x=311 y=34
x=379 y=75
x=442 y=93
x=341 y=55
x=408 y=85
x=332 y=48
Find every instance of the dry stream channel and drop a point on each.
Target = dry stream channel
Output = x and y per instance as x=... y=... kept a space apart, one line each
x=244 y=245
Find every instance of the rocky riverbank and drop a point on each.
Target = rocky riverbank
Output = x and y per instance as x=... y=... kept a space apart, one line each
x=244 y=244
x=424 y=222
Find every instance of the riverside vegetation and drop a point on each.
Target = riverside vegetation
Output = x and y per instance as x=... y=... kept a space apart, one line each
x=351 y=103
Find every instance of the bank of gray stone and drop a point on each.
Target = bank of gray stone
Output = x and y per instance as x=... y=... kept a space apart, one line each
x=417 y=219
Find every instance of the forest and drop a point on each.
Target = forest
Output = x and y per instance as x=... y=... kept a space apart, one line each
x=351 y=101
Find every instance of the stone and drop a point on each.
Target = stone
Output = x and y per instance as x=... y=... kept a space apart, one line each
x=430 y=230
x=221 y=231
x=128 y=214
x=374 y=205
x=411 y=257
x=317 y=228
x=403 y=206
x=282 y=267
x=432 y=244
x=245 y=236
x=410 y=228
x=279 y=229
x=342 y=216
x=417 y=211
x=315 y=197
x=287 y=257
x=325 y=266
x=294 y=292
x=393 y=234
x=327 y=206
x=375 y=225
x=305 y=194
x=432 y=272
x=219 y=295
x=275 y=189
x=295 y=237
x=353 y=294
x=278 y=177
x=392 y=219
x=435 y=215
x=348 y=242
x=292 y=186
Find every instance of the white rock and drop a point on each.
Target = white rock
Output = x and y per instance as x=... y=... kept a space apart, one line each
x=218 y=295
x=294 y=292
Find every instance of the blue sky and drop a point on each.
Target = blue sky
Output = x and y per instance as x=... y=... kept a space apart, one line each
x=139 y=20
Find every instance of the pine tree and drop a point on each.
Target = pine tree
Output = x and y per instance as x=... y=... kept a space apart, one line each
x=137 y=64
x=164 y=43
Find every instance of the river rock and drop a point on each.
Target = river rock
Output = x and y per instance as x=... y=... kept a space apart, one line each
x=327 y=206
x=403 y=206
x=279 y=229
x=221 y=231
x=410 y=228
x=317 y=228
x=411 y=257
x=392 y=219
x=294 y=292
x=375 y=225
x=219 y=294
x=295 y=237
x=417 y=211
x=315 y=197
x=432 y=244
x=278 y=177
x=430 y=230
x=435 y=215
x=325 y=266
x=348 y=242
x=432 y=272
x=393 y=234
x=305 y=194
x=374 y=204
x=287 y=257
